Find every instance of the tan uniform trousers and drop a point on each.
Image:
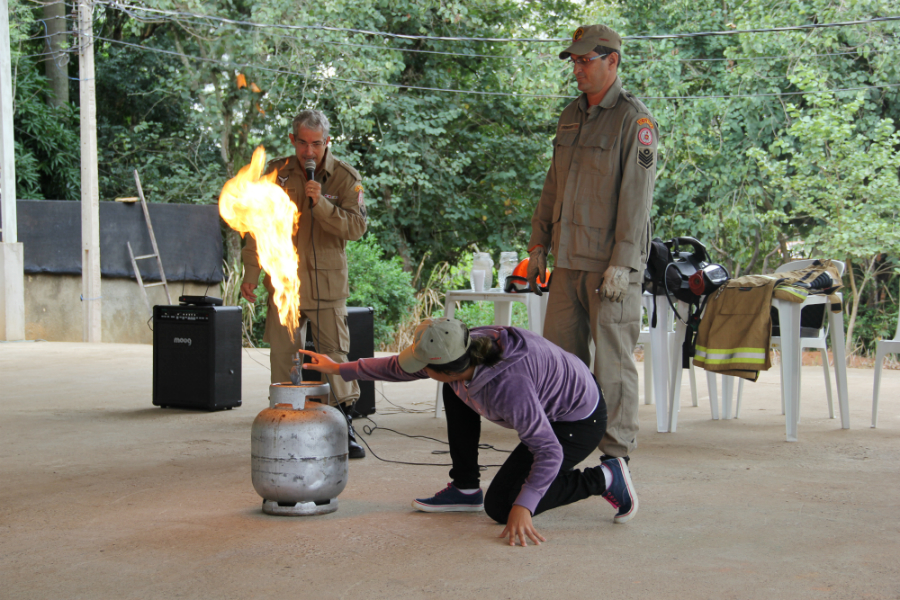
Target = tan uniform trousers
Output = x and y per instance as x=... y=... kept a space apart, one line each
x=331 y=336
x=575 y=314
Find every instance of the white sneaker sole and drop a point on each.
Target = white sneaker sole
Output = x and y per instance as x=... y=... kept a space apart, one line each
x=429 y=508
x=634 y=499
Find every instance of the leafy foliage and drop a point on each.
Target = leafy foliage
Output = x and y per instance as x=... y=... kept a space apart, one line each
x=47 y=144
x=379 y=283
x=758 y=152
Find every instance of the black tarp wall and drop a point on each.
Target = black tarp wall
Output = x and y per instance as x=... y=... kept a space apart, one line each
x=189 y=237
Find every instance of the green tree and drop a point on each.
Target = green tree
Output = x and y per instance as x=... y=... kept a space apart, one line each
x=836 y=177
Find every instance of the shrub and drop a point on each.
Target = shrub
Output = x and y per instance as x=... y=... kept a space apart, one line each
x=380 y=283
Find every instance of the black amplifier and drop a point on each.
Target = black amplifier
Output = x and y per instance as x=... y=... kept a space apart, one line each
x=197 y=356
x=361 y=322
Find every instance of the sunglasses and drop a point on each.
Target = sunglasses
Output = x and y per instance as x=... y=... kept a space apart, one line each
x=519 y=285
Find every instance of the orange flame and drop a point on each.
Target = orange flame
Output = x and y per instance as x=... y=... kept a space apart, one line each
x=252 y=202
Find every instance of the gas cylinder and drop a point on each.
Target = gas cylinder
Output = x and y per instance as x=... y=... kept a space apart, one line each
x=299 y=451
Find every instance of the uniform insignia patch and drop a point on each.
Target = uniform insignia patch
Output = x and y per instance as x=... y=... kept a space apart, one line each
x=645 y=121
x=569 y=127
x=330 y=197
x=578 y=33
x=645 y=157
x=362 y=203
x=645 y=136
x=282 y=180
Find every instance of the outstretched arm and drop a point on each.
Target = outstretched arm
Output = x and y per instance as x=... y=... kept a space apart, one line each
x=320 y=363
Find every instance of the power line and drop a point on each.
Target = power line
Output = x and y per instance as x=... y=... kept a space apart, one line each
x=549 y=57
x=482 y=93
x=773 y=94
x=468 y=55
x=287 y=72
x=125 y=8
x=762 y=30
x=553 y=57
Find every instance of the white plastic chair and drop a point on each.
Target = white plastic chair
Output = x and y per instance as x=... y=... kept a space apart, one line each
x=820 y=341
x=882 y=349
x=645 y=340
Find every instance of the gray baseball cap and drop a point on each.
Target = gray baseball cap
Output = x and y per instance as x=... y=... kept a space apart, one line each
x=587 y=38
x=435 y=342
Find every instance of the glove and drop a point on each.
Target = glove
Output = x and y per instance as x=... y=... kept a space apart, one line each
x=537 y=267
x=615 y=283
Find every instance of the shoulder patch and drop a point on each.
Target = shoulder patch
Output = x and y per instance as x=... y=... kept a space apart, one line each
x=361 y=202
x=645 y=136
x=645 y=121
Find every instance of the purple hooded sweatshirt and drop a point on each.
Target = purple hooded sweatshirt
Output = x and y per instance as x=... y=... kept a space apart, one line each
x=535 y=384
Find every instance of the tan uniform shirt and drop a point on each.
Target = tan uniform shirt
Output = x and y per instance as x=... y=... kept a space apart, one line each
x=322 y=232
x=594 y=209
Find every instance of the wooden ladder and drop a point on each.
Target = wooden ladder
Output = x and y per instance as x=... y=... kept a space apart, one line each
x=134 y=259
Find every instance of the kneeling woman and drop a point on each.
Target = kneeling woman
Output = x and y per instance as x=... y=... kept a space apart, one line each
x=517 y=380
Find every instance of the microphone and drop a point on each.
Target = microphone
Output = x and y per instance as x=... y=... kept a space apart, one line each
x=310 y=174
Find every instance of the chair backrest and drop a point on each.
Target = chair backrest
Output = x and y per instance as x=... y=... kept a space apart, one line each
x=799 y=264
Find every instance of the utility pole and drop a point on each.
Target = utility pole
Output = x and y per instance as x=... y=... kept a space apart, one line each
x=12 y=253
x=90 y=191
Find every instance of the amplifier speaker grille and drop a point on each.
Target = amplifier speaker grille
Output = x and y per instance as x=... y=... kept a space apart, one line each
x=197 y=356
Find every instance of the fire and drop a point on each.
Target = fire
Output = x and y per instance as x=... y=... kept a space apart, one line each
x=251 y=202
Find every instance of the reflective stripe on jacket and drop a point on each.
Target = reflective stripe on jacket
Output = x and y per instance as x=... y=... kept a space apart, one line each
x=736 y=329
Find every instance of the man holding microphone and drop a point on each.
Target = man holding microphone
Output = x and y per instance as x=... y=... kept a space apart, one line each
x=329 y=195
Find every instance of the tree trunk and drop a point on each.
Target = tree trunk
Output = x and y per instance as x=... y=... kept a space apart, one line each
x=854 y=307
x=57 y=64
x=857 y=294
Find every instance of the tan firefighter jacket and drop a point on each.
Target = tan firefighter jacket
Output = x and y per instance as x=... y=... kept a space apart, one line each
x=340 y=215
x=736 y=328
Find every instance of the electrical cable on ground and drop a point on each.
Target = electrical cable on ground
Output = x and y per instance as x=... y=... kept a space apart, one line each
x=368 y=430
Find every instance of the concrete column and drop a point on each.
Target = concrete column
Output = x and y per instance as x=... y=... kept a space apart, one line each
x=12 y=291
x=12 y=254
x=90 y=194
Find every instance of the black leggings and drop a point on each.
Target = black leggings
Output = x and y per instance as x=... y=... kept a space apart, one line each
x=578 y=440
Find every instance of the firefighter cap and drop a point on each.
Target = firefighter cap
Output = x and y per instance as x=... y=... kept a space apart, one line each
x=587 y=38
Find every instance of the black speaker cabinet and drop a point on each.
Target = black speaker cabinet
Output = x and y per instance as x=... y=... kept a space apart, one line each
x=197 y=356
x=361 y=322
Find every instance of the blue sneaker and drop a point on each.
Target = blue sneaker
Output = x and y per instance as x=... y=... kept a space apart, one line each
x=450 y=499
x=620 y=492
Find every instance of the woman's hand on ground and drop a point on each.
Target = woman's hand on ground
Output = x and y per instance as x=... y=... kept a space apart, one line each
x=519 y=524
x=320 y=363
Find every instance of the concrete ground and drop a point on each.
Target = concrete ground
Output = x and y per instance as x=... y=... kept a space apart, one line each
x=105 y=496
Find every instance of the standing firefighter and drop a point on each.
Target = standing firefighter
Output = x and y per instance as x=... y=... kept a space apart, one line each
x=331 y=213
x=594 y=216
